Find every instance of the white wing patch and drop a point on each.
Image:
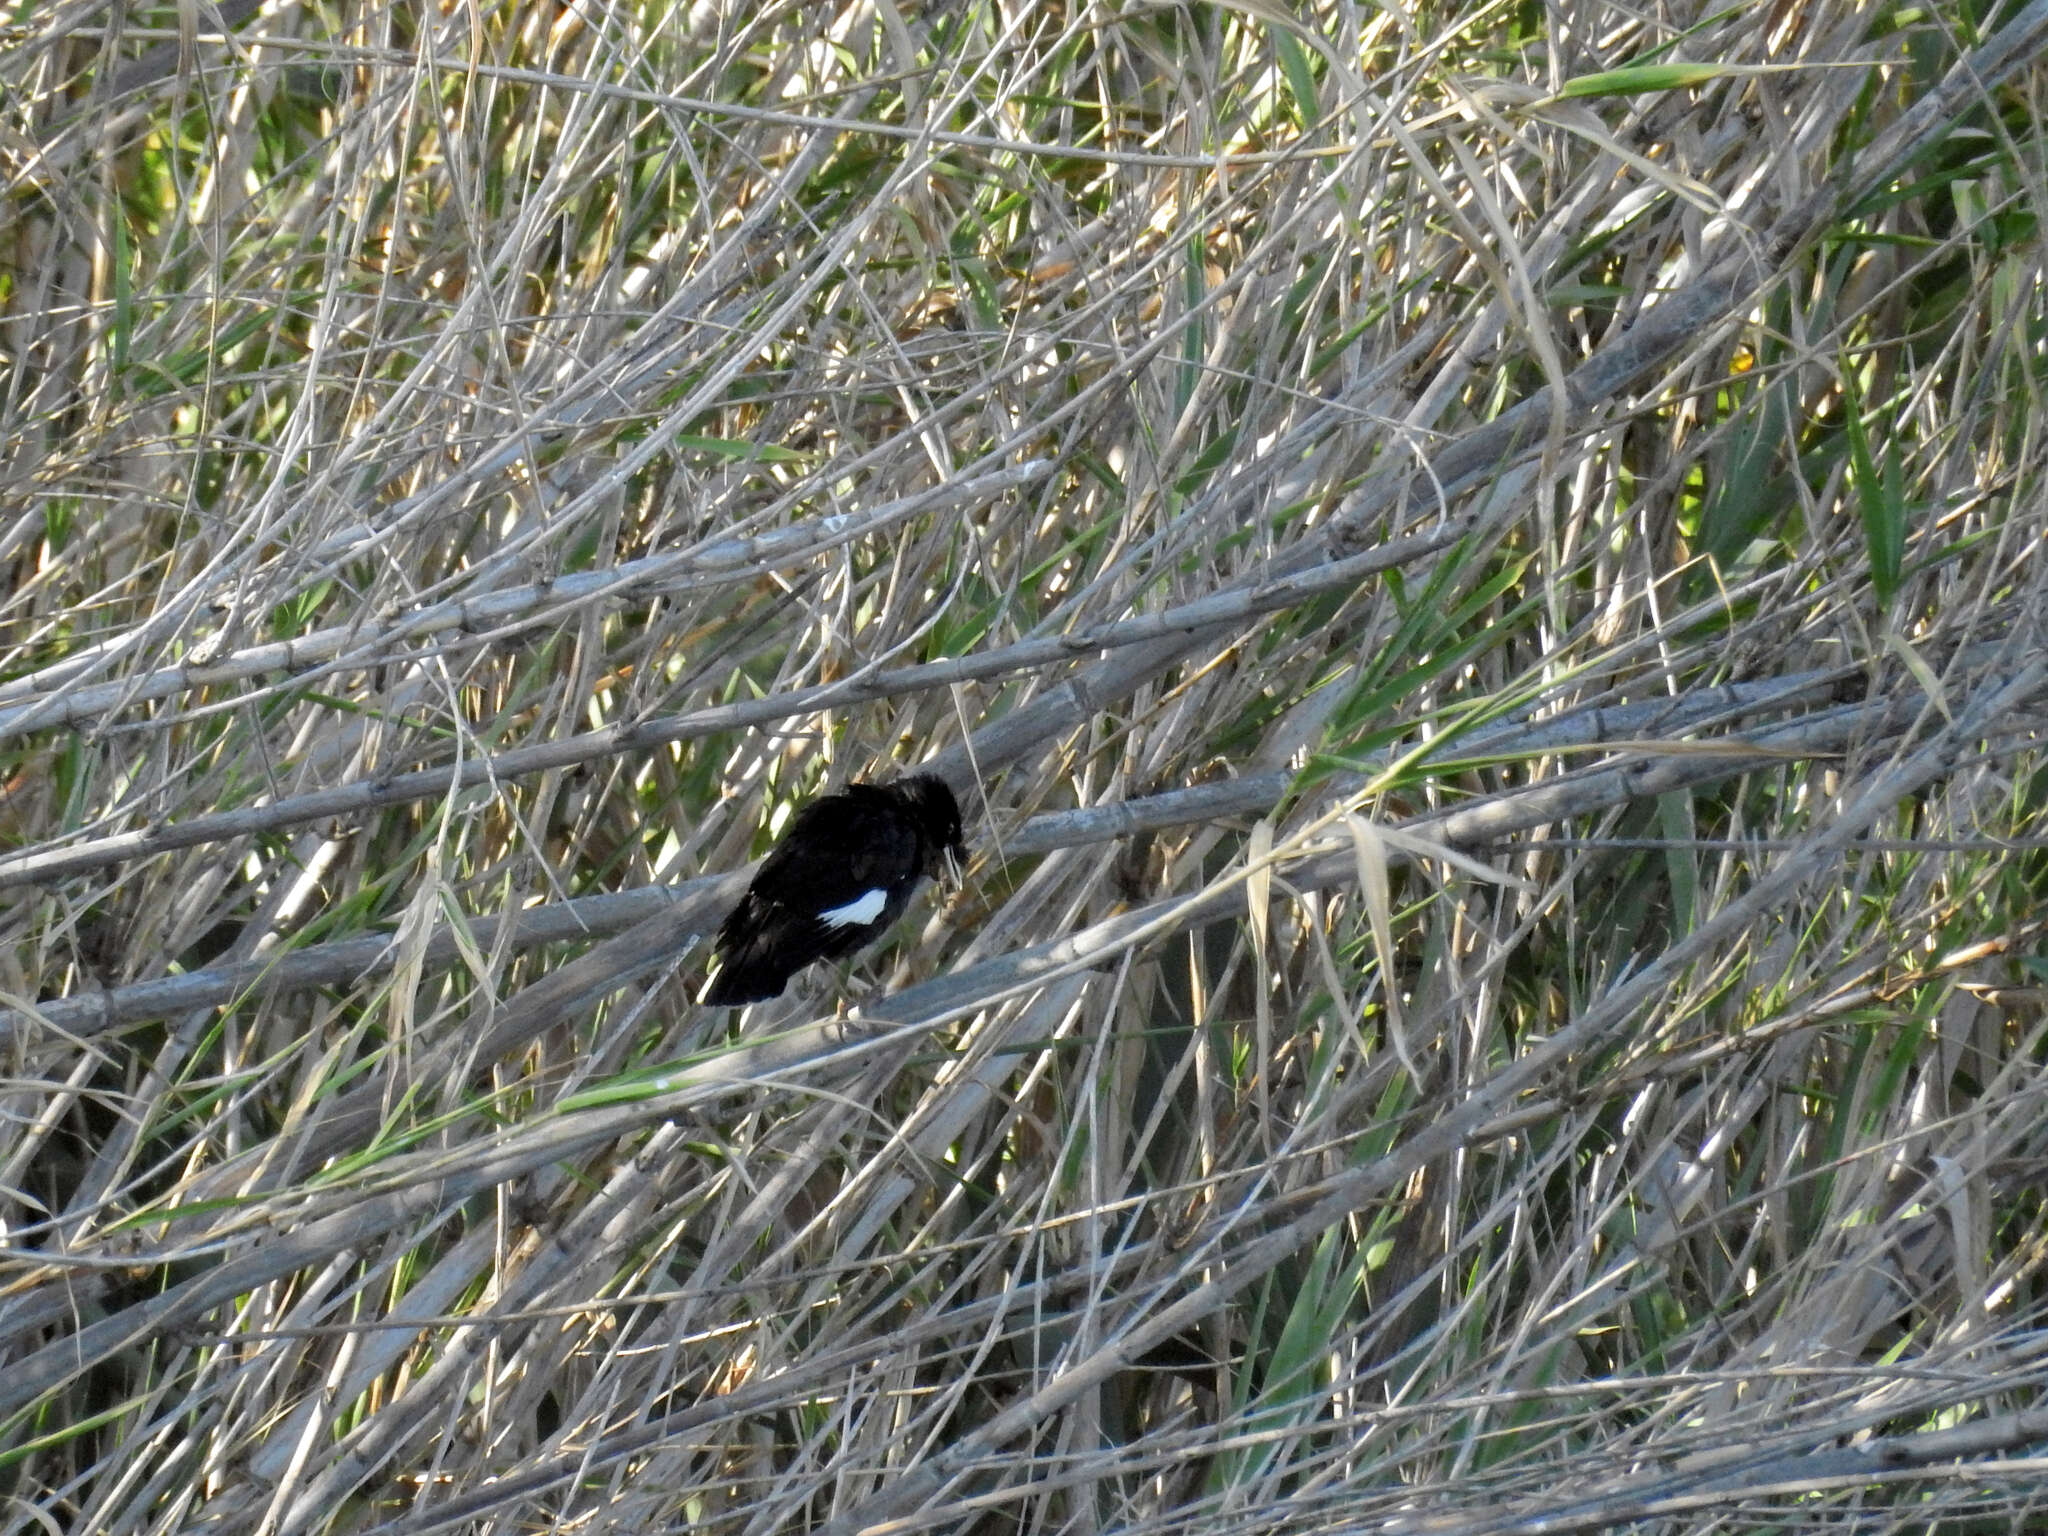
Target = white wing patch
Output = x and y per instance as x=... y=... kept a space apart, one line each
x=863 y=910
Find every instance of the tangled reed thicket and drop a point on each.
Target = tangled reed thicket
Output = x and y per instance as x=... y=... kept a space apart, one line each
x=1478 y=570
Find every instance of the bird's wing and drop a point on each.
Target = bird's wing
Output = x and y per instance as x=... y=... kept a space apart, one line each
x=834 y=852
x=887 y=855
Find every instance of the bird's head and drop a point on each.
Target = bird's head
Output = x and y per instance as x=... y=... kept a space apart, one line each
x=937 y=814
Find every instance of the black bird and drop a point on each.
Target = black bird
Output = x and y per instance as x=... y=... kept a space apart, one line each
x=843 y=872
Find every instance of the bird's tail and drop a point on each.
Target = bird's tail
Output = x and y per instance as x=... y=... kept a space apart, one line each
x=744 y=977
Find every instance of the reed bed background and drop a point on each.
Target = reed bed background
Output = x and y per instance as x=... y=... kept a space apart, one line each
x=1478 y=569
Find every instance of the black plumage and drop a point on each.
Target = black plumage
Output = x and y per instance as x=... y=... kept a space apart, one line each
x=842 y=873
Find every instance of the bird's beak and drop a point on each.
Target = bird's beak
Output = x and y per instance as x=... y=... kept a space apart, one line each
x=953 y=870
